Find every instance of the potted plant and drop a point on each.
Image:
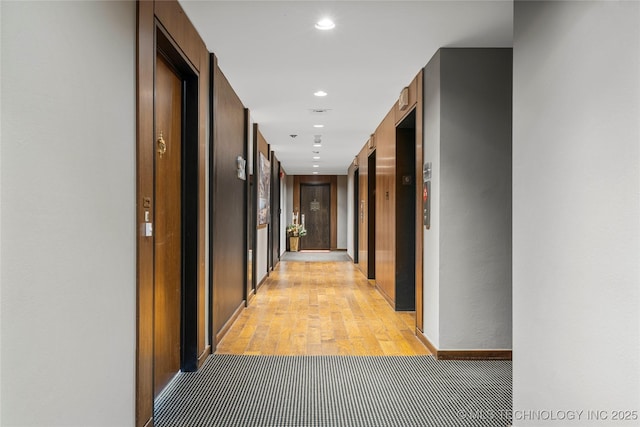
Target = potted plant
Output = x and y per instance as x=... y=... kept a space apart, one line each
x=295 y=231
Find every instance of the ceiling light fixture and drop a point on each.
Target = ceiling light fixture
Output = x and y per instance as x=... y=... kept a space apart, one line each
x=320 y=93
x=325 y=24
x=316 y=157
x=318 y=126
x=316 y=166
x=317 y=144
x=315 y=172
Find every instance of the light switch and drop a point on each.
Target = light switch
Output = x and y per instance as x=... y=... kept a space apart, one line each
x=148 y=229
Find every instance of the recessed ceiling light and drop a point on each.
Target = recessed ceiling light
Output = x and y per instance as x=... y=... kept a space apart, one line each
x=316 y=166
x=320 y=93
x=325 y=24
x=318 y=126
x=316 y=157
x=315 y=172
x=317 y=144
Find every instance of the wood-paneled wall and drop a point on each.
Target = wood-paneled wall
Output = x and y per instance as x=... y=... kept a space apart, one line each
x=363 y=240
x=387 y=230
x=274 y=225
x=228 y=207
x=386 y=206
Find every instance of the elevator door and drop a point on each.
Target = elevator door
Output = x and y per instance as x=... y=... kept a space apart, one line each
x=168 y=251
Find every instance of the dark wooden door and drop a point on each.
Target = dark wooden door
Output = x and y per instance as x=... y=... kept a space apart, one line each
x=315 y=205
x=167 y=260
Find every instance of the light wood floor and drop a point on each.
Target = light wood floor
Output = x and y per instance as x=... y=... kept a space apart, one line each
x=320 y=308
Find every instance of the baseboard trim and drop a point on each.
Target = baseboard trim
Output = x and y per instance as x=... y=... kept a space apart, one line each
x=204 y=355
x=250 y=297
x=264 y=279
x=232 y=319
x=474 y=355
x=463 y=354
x=424 y=340
x=391 y=302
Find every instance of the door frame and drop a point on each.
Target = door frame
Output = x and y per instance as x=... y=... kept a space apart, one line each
x=356 y=215
x=320 y=179
x=163 y=26
x=371 y=214
x=274 y=224
x=304 y=242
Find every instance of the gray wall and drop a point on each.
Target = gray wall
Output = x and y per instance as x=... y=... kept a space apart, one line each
x=68 y=277
x=431 y=244
x=473 y=173
x=576 y=208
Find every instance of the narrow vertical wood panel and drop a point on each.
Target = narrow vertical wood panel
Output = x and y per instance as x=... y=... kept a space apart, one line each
x=334 y=212
x=263 y=145
x=385 y=206
x=144 y=202
x=204 y=347
x=275 y=210
x=363 y=161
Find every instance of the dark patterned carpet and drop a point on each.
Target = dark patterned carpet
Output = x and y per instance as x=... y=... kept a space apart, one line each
x=371 y=391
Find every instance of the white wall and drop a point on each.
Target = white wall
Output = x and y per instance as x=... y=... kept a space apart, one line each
x=68 y=274
x=576 y=209
x=342 y=212
x=350 y=213
x=262 y=244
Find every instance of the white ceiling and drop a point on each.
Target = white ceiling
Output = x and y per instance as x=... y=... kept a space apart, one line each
x=275 y=60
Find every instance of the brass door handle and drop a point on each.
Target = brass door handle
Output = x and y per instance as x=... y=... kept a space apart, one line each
x=162 y=146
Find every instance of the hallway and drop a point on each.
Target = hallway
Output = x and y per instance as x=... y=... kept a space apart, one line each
x=321 y=308
x=299 y=355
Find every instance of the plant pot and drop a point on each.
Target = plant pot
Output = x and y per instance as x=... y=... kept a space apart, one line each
x=293 y=243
